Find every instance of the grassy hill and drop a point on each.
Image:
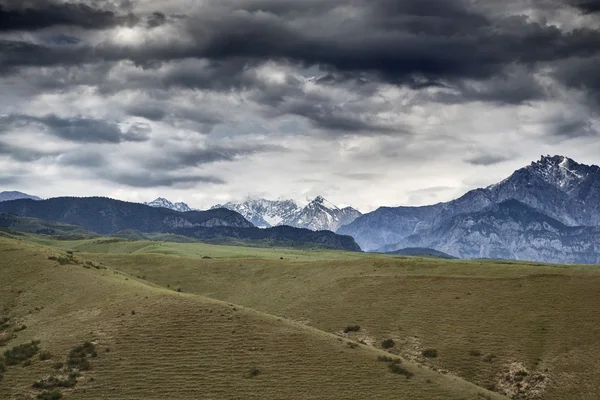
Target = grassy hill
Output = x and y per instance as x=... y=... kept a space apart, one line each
x=12 y=223
x=528 y=330
x=109 y=335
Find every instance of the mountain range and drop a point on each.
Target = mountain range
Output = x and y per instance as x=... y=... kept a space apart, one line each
x=317 y=215
x=547 y=211
x=108 y=216
x=13 y=195
x=164 y=203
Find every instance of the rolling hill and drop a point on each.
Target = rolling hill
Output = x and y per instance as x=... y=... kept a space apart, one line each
x=521 y=329
x=109 y=335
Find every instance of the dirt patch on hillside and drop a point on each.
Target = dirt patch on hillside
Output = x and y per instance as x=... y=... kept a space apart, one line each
x=516 y=381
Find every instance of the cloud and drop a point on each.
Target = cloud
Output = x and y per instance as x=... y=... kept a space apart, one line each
x=487 y=159
x=28 y=15
x=395 y=41
x=380 y=102
x=151 y=179
x=76 y=129
x=23 y=154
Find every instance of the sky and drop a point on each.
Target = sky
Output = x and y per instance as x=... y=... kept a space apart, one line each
x=366 y=102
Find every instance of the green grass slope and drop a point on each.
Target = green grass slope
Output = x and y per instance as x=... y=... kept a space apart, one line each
x=527 y=330
x=13 y=223
x=147 y=342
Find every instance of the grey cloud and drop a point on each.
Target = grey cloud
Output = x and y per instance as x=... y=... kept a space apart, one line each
x=148 y=179
x=23 y=154
x=487 y=159
x=78 y=129
x=156 y=19
x=398 y=41
x=83 y=158
x=193 y=156
x=28 y=15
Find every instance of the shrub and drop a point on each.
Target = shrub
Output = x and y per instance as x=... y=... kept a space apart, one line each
x=21 y=353
x=2 y=367
x=45 y=355
x=389 y=359
x=398 y=369
x=50 y=395
x=475 y=353
x=352 y=328
x=430 y=353
x=253 y=372
x=26 y=363
x=489 y=358
x=53 y=382
x=58 y=365
x=388 y=344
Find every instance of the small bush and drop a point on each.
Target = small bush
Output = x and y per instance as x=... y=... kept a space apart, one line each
x=387 y=359
x=253 y=372
x=45 y=355
x=50 y=395
x=53 y=382
x=2 y=367
x=58 y=365
x=475 y=353
x=26 y=363
x=398 y=369
x=489 y=358
x=430 y=353
x=352 y=328
x=388 y=344
x=21 y=353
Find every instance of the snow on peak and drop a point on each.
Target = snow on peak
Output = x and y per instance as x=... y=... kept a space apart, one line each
x=164 y=203
x=319 y=214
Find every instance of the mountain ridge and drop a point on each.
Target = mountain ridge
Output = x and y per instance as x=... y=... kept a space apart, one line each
x=164 y=203
x=555 y=185
x=318 y=214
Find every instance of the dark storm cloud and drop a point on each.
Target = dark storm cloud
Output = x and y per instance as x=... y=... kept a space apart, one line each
x=156 y=19
x=83 y=130
x=400 y=41
x=28 y=15
x=587 y=6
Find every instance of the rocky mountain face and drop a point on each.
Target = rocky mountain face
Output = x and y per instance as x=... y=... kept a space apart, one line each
x=318 y=215
x=164 y=203
x=8 y=196
x=555 y=186
x=264 y=213
x=107 y=216
x=511 y=230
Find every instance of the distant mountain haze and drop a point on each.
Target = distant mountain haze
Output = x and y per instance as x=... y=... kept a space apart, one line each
x=14 y=195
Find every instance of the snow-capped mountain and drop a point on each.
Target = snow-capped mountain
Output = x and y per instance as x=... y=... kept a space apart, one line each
x=555 y=186
x=8 y=196
x=264 y=213
x=164 y=203
x=319 y=214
